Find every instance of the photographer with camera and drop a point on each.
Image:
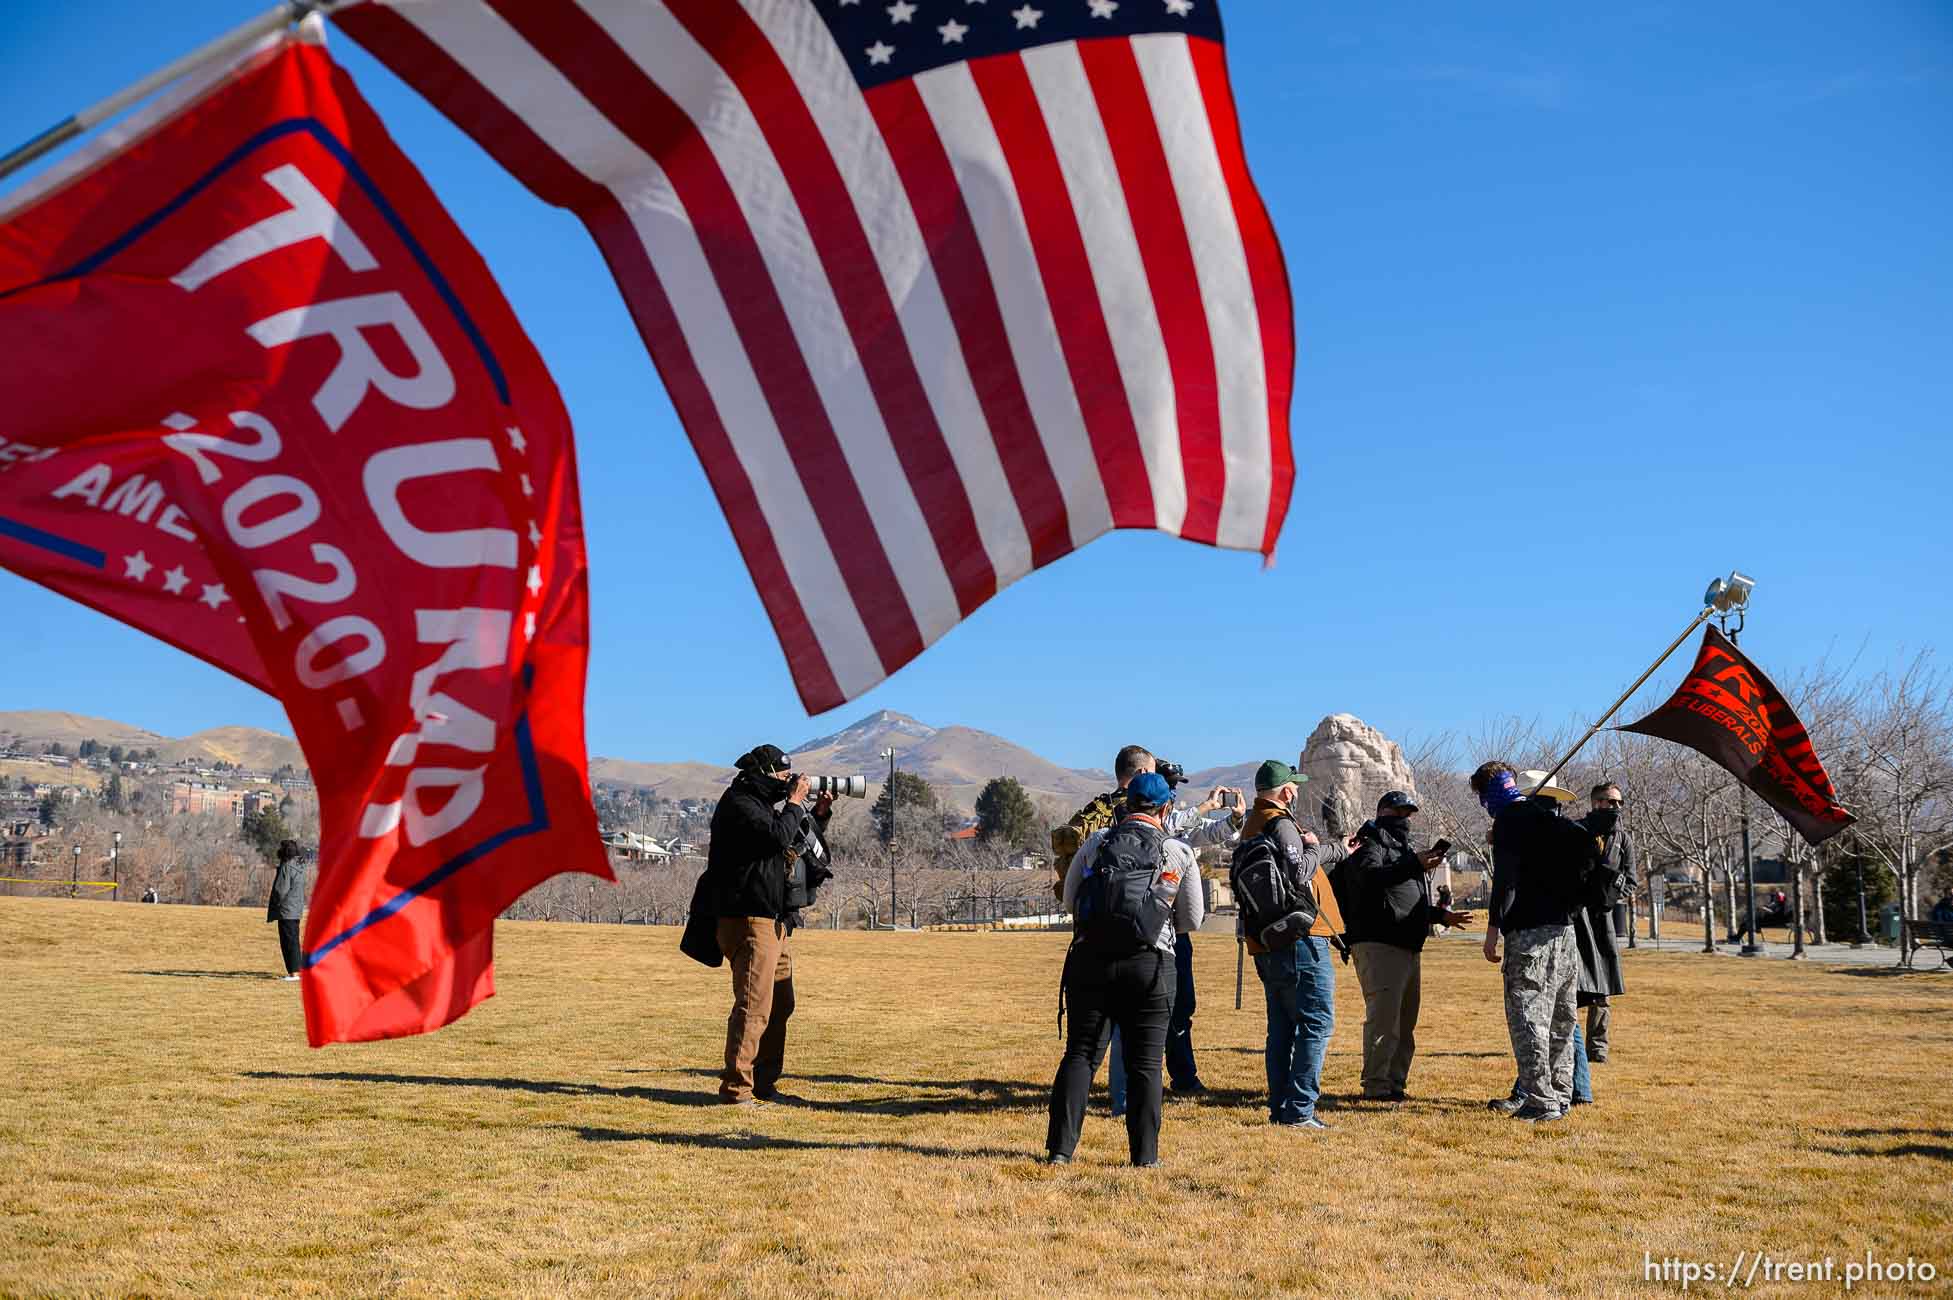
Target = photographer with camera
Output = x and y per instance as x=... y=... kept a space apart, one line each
x=767 y=845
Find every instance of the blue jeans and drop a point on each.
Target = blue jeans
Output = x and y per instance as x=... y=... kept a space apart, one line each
x=1583 y=1084
x=1300 y=982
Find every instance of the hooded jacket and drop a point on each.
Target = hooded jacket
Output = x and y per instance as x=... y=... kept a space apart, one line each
x=747 y=858
x=1393 y=892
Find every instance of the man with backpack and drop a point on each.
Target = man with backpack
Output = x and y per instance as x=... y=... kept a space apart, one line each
x=1541 y=867
x=1189 y=825
x=1386 y=890
x=1129 y=887
x=1288 y=921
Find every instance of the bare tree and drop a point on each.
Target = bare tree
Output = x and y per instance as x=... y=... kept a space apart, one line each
x=1903 y=786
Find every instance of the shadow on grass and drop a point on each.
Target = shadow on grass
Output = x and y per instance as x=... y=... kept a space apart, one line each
x=1928 y=1150
x=1883 y=972
x=209 y=974
x=985 y=1095
x=767 y=1142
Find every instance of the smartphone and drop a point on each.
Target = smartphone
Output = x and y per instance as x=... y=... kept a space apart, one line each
x=1441 y=847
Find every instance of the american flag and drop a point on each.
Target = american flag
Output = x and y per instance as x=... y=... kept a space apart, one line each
x=941 y=289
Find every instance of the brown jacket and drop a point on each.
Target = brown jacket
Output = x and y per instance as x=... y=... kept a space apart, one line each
x=1316 y=861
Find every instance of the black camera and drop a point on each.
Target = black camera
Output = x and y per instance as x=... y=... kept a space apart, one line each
x=807 y=864
x=1172 y=773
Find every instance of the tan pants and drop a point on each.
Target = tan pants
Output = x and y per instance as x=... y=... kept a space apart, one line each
x=762 y=1001
x=1392 y=980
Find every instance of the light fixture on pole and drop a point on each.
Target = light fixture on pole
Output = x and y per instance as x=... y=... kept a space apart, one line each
x=74 y=877
x=889 y=754
x=115 y=865
x=1730 y=598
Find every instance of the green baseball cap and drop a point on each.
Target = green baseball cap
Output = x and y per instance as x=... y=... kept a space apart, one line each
x=1274 y=774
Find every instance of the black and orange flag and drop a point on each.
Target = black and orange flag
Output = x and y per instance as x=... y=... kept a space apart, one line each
x=1727 y=710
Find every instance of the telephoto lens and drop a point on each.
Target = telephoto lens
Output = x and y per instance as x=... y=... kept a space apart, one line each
x=1171 y=773
x=854 y=787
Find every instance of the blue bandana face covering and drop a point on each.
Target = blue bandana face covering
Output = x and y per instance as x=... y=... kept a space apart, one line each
x=1500 y=793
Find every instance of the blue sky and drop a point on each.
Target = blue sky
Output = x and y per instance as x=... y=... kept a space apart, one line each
x=1593 y=305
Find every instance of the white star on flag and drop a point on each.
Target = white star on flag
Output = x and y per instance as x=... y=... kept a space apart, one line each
x=535 y=534
x=136 y=566
x=901 y=11
x=1104 y=8
x=214 y=594
x=516 y=440
x=953 y=31
x=1179 y=8
x=529 y=627
x=880 y=52
x=174 y=580
x=535 y=579
x=1026 y=16
x=528 y=488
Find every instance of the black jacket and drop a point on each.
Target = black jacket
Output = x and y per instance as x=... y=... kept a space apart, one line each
x=747 y=859
x=1593 y=924
x=1392 y=892
x=1541 y=866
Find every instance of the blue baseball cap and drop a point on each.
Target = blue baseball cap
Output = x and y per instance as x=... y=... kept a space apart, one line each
x=1148 y=790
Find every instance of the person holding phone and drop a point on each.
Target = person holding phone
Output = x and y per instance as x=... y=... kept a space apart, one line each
x=1393 y=916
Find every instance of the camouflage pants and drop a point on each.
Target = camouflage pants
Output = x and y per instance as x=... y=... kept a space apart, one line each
x=1542 y=971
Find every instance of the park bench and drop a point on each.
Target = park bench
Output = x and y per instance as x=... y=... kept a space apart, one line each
x=1937 y=935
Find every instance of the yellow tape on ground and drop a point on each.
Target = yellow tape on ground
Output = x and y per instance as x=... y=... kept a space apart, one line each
x=47 y=880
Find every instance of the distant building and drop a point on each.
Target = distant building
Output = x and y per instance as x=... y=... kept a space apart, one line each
x=633 y=847
x=198 y=797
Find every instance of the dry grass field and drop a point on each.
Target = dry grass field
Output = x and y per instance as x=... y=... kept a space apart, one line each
x=164 y=1130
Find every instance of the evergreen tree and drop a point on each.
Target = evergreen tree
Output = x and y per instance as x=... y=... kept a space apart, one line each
x=262 y=830
x=916 y=807
x=113 y=797
x=1006 y=814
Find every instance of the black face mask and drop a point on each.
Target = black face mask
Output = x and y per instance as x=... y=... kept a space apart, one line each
x=770 y=788
x=1396 y=825
x=1601 y=820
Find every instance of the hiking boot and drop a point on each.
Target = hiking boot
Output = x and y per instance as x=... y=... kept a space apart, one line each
x=1056 y=1158
x=1311 y=1123
x=1505 y=1105
x=1538 y=1114
x=1583 y=1101
x=1193 y=1088
x=742 y=1101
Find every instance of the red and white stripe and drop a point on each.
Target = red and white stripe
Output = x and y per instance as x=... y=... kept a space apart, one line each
x=924 y=339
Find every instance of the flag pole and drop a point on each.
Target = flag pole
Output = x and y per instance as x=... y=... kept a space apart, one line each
x=282 y=14
x=1626 y=695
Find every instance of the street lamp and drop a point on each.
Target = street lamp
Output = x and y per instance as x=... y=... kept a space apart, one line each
x=74 y=877
x=889 y=754
x=115 y=866
x=1730 y=598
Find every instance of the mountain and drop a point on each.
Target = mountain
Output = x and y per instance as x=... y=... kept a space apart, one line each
x=248 y=747
x=958 y=761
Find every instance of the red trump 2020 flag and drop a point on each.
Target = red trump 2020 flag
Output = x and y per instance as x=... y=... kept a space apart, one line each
x=262 y=400
x=1728 y=711
x=941 y=291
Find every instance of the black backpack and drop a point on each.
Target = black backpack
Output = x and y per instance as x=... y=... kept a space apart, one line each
x=1265 y=891
x=1125 y=900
